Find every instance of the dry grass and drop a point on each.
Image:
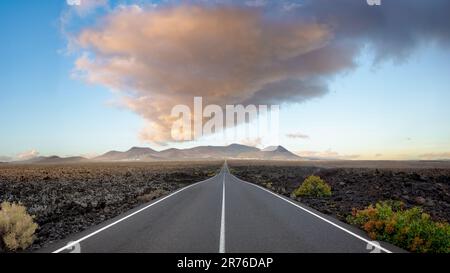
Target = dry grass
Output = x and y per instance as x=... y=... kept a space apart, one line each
x=17 y=227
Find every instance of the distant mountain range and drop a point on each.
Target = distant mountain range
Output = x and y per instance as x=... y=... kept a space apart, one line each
x=234 y=151
x=53 y=160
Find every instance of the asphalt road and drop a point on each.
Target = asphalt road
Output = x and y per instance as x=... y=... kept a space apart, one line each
x=221 y=214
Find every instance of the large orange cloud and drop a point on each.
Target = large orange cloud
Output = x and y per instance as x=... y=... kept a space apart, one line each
x=162 y=57
x=230 y=51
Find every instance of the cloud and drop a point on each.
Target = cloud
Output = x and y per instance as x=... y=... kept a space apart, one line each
x=254 y=142
x=226 y=55
x=256 y=3
x=297 y=135
x=392 y=30
x=326 y=155
x=435 y=156
x=5 y=158
x=230 y=52
x=85 y=7
x=28 y=155
x=88 y=155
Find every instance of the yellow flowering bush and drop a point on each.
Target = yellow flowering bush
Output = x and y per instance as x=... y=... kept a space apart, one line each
x=410 y=229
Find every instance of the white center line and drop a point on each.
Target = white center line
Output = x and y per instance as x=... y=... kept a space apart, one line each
x=222 y=221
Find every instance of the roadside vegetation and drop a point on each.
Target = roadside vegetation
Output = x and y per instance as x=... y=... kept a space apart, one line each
x=410 y=229
x=17 y=227
x=313 y=186
x=419 y=224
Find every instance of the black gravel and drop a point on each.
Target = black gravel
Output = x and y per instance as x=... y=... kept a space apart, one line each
x=67 y=199
x=358 y=187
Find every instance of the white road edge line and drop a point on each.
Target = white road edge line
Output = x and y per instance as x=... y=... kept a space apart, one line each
x=320 y=217
x=222 y=220
x=73 y=243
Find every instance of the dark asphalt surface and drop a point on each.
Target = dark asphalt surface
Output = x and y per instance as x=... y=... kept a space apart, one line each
x=190 y=221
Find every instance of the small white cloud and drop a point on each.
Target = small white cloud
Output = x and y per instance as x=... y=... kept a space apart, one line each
x=289 y=6
x=90 y=155
x=254 y=142
x=5 y=159
x=27 y=155
x=84 y=7
x=256 y=3
x=327 y=155
x=435 y=156
x=297 y=135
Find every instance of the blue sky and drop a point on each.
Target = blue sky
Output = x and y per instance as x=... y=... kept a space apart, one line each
x=42 y=107
x=371 y=112
x=385 y=111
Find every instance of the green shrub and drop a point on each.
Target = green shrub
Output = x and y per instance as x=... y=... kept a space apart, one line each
x=16 y=226
x=313 y=186
x=410 y=229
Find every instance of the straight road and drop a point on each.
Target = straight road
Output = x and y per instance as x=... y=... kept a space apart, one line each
x=221 y=214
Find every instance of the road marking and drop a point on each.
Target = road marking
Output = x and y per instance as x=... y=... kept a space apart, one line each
x=222 y=220
x=318 y=216
x=74 y=243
